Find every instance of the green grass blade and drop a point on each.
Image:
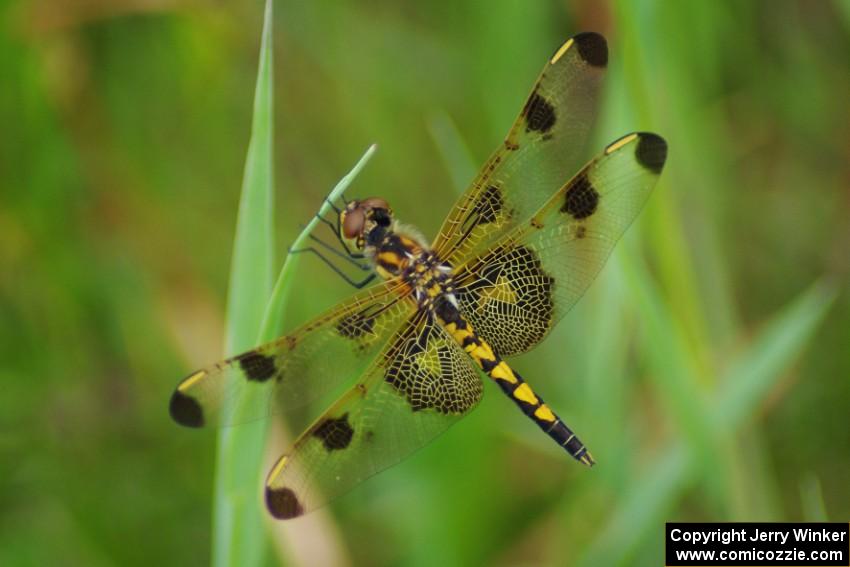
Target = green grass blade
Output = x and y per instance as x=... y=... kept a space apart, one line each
x=238 y=532
x=273 y=318
x=453 y=150
x=752 y=377
x=674 y=370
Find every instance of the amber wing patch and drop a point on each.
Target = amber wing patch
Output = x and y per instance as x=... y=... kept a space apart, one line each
x=428 y=369
x=508 y=298
x=376 y=423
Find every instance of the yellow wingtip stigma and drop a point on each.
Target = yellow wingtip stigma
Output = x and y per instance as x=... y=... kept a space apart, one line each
x=620 y=143
x=276 y=470
x=191 y=380
x=563 y=49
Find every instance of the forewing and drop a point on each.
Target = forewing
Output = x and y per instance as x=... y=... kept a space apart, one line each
x=543 y=148
x=419 y=386
x=514 y=293
x=297 y=368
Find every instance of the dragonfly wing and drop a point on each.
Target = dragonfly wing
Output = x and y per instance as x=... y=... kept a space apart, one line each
x=416 y=389
x=543 y=148
x=297 y=368
x=515 y=292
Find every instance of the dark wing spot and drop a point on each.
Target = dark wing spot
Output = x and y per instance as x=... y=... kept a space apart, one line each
x=487 y=209
x=334 y=433
x=355 y=326
x=489 y=205
x=651 y=151
x=256 y=366
x=185 y=410
x=593 y=48
x=539 y=114
x=360 y=326
x=581 y=199
x=282 y=503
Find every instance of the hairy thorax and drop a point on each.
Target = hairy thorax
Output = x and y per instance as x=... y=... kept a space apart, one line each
x=429 y=278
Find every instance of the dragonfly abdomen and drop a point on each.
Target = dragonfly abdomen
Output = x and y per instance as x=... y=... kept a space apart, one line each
x=511 y=383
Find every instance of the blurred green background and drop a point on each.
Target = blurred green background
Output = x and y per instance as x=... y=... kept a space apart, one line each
x=708 y=367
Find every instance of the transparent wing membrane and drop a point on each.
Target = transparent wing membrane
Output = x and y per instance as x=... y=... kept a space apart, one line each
x=543 y=149
x=516 y=291
x=297 y=368
x=419 y=386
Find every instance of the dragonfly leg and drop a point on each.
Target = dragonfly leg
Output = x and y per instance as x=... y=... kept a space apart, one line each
x=335 y=229
x=352 y=259
x=356 y=284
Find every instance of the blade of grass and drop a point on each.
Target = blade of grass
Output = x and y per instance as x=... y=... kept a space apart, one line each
x=273 y=318
x=453 y=149
x=297 y=549
x=666 y=231
x=238 y=534
x=774 y=350
x=751 y=379
x=609 y=328
x=674 y=369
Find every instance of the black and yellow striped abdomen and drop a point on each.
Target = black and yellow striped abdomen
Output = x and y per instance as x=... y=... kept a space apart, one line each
x=510 y=381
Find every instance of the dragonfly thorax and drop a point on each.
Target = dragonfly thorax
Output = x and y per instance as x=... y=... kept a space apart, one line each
x=430 y=279
x=402 y=254
x=396 y=251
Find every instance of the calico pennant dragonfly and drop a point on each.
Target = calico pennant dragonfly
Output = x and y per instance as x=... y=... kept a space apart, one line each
x=518 y=249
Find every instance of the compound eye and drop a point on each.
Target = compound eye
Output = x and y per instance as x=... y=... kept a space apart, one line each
x=352 y=222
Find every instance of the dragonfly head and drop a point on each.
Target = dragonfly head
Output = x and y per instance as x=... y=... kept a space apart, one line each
x=366 y=221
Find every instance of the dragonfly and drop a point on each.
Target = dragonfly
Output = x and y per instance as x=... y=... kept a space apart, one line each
x=517 y=250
